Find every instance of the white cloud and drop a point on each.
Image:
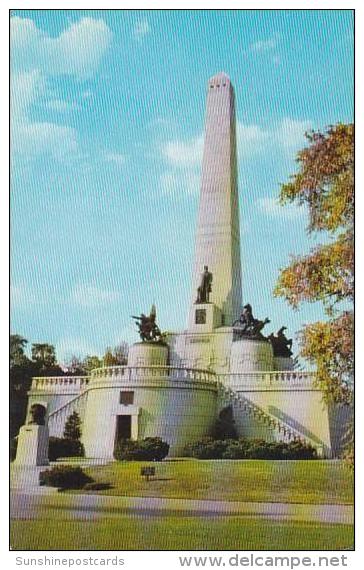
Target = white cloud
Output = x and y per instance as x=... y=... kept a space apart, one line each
x=61 y=106
x=291 y=133
x=183 y=182
x=30 y=138
x=264 y=45
x=285 y=138
x=35 y=56
x=184 y=153
x=115 y=158
x=184 y=157
x=251 y=139
x=78 y=50
x=21 y=297
x=69 y=346
x=141 y=29
x=91 y=296
x=272 y=208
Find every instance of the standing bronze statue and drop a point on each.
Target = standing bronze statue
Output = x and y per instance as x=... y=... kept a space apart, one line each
x=205 y=288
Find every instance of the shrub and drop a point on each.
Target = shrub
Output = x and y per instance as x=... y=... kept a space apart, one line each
x=207 y=448
x=63 y=447
x=148 y=449
x=249 y=449
x=224 y=427
x=72 y=428
x=65 y=477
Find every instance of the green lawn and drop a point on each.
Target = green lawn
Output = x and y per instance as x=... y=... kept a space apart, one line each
x=277 y=481
x=176 y=533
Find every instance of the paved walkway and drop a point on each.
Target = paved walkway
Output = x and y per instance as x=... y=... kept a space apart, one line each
x=42 y=503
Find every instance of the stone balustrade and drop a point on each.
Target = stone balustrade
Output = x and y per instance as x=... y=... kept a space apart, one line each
x=123 y=373
x=280 y=379
x=71 y=384
x=270 y=380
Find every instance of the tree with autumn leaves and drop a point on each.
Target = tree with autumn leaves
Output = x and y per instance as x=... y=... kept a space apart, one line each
x=325 y=183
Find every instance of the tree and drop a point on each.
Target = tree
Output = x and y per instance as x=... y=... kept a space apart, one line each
x=91 y=362
x=44 y=357
x=75 y=366
x=325 y=183
x=109 y=358
x=72 y=428
x=17 y=346
x=121 y=353
x=44 y=354
x=22 y=369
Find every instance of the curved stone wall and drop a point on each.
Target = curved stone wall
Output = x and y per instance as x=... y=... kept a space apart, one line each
x=177 y=405
x=148 y=354
x=251 y=355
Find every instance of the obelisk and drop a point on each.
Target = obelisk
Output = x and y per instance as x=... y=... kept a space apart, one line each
x=217 y=234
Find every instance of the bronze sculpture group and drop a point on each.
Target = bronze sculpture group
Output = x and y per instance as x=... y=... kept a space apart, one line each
x=148 y=328
x=246 y=326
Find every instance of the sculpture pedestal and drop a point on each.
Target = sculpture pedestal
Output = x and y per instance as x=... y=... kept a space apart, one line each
x=204 y=317
x=32 y=446
x=148 y=354
x=251 y=355
x=283 y=363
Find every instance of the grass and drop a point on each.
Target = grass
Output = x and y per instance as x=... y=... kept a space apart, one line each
x=128 y=532
x=308 y=482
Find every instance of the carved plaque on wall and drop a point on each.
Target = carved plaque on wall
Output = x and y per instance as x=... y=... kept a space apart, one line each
x=200 y=317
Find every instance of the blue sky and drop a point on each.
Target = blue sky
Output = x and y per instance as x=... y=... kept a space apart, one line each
x=107 y=132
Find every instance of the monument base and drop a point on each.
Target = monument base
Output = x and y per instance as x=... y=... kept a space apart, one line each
x=283 y=363
x=251 y=355
x=32 y=446
x=204 y=317
x=148 y=354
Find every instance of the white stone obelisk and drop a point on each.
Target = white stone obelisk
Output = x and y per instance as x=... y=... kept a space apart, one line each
x=217 y=235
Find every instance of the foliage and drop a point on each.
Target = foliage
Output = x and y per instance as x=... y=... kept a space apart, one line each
x=72 y=428
x=91 y=362
x=224 y=427
x=75 y=366
x=65 y=477
x=117 y=356
x=44 y=354
x=121 y=353
x=109 y=358
x=148 y=449
x=22 y=369
x=62 y=447
x=325 y=183
x=248 y=449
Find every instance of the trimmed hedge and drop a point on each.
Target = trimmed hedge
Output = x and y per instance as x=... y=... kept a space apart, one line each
x=148 y=449
x=64 y=477
x=63 y=447
x=209 y=448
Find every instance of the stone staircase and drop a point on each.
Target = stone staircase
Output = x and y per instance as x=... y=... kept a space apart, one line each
x=282 y=430
x=57 y=418
x=241 y=405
